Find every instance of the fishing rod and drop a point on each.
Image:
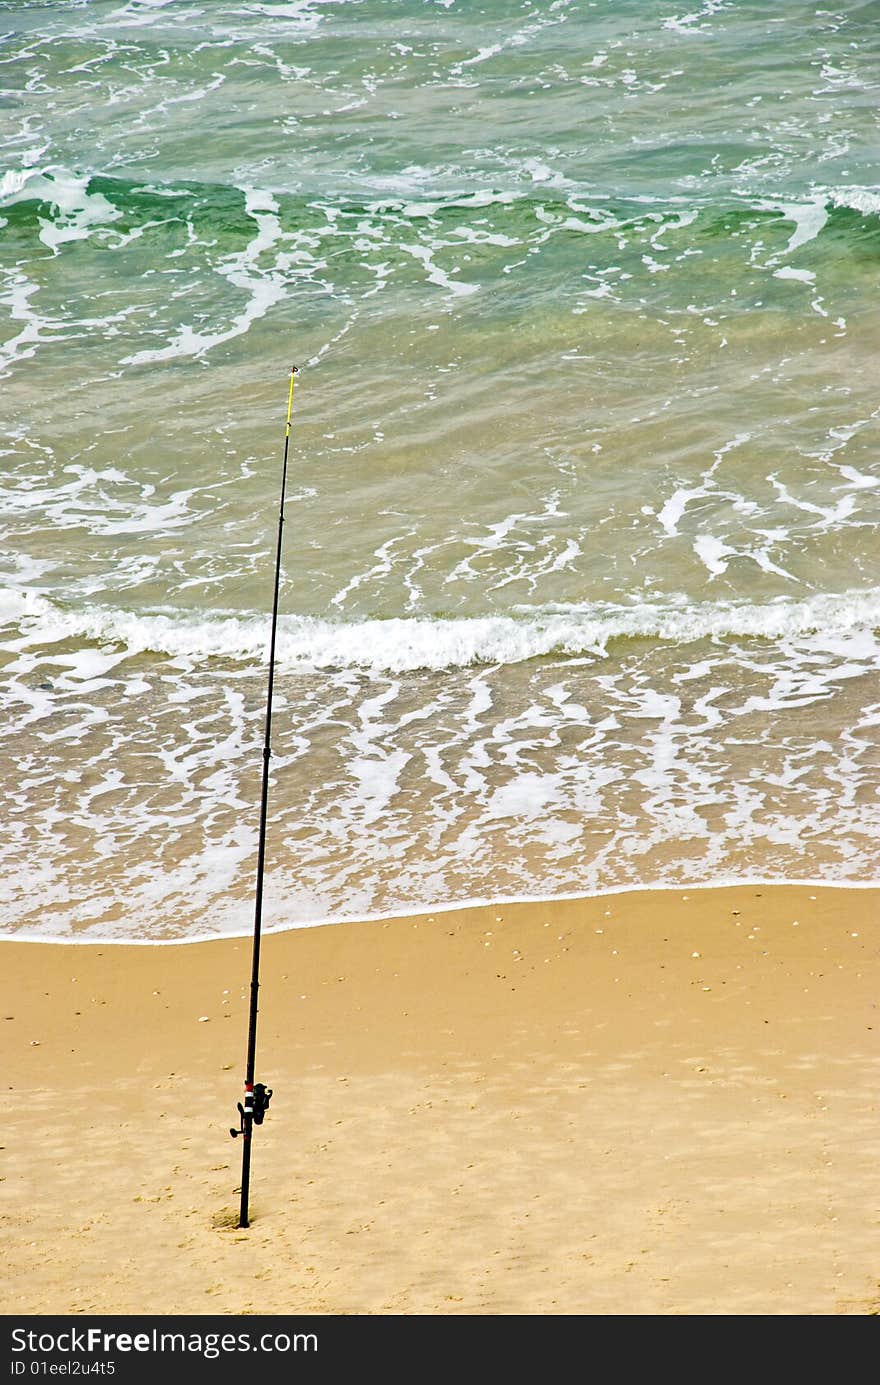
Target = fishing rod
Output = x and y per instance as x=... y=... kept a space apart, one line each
x=257 y=1095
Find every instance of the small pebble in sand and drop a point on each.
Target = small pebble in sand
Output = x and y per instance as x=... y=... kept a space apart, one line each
x=203 y=1019
x=853 y=935
x=695 y=954
x=35 y=1043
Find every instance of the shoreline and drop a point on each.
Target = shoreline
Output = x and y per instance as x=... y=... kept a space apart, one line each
x=628 y=1103
x=427 y=911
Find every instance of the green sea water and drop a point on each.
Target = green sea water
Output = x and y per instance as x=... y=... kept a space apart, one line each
x=580 y=583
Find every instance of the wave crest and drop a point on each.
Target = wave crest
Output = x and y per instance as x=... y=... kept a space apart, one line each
x=407 y=644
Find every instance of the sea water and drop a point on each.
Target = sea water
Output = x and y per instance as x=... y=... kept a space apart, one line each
x=580 y=577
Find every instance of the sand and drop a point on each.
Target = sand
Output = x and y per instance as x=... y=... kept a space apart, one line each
x=649 y=1103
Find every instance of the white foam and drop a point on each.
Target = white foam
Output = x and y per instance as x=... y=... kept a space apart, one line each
x=264 y=288
x=673 y=509
x=691 y=24
x=540 y=172
x=445 y=905
x=13 y=182
x=402 y=645
x=434 y=274
x=16 y=298
x=79 y=211
x=804 y=276
x=137 y=14
x=809 y=218
x=858 y=199
x=712 y=553
x=101 y=501
x=303 y=12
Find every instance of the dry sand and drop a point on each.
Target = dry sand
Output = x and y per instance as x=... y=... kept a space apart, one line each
x=648 y=1103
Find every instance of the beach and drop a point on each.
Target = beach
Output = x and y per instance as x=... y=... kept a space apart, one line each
x=642 y=1103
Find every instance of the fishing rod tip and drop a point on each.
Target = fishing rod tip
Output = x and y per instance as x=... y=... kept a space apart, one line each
x=294 y=370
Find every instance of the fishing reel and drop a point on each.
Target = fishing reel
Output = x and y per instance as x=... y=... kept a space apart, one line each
x=256 y=1104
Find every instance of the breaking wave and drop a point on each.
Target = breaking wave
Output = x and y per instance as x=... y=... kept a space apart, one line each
x=408 y=644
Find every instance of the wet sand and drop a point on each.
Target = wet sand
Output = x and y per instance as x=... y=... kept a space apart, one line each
x=660 y=1102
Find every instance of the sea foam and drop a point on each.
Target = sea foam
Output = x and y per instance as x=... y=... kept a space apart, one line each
x=400 y=645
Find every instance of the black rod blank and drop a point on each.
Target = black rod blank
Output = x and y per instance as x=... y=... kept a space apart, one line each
x=256 y=1098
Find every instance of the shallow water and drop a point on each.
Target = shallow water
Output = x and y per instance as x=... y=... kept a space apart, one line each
x=581 y=564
